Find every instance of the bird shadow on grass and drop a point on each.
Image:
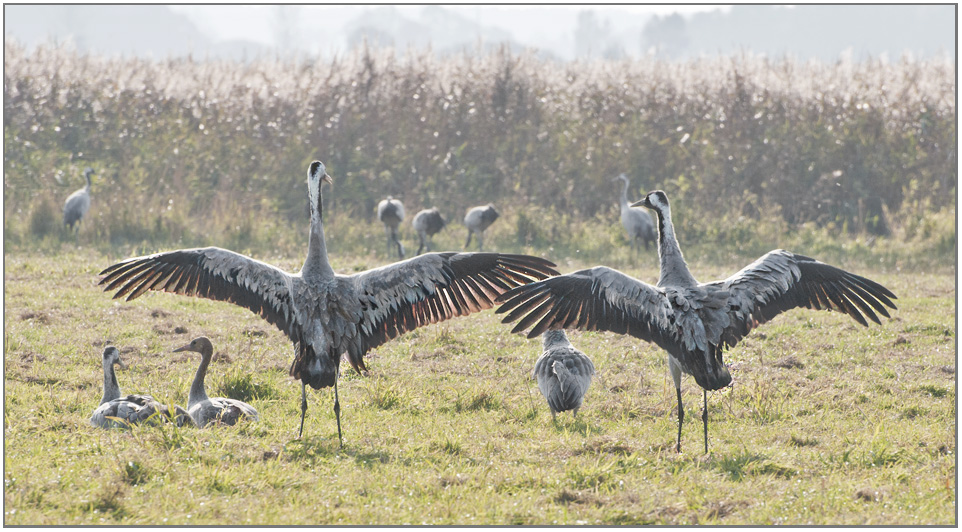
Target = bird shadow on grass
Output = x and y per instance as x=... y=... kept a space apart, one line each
x=314 y=448
x=577 y=426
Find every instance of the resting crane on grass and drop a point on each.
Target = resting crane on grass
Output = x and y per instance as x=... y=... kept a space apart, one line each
x=477 y=220
x=326 y=314
x=391 y=213
x=427 y=223
x=563 y=373
x=77 y=204
x=694 y=322
x=636 y=221
x=118 y=410
x=205 y=410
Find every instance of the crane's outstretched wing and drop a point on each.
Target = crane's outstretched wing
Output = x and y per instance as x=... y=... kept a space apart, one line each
x=781 y=280
x=596 y=299
x=211 y=273
x=434 y=287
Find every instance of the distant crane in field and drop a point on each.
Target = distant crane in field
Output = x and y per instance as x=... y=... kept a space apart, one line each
x=118 y=410
x=563 y=373
x=391 y=213
x=427 y=223
x=77 y=203
x=694 y=322
x=636 y=221
x=326 y=314
x=477 y=220
x=205 y=410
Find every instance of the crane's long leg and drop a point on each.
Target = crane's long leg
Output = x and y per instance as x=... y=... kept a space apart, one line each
x=704 y=417
x=468 y=242
x=681 y=416
x=303 y=408
x=675 y=370
x=337 y=413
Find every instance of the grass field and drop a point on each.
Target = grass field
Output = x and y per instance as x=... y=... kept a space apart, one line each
x=827 y=422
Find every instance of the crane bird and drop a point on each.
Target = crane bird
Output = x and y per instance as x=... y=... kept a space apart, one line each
x=205 y=410
x=477 y=220
x=427 y=223
x=636 y=221
x=117 y=410
x=391 y=213
x=326 y=314
x=563 y=373
x=694 y=322
x=77 y=204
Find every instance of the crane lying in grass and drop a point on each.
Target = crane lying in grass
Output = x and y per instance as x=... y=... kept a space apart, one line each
x=326 y=314
x=694 y=322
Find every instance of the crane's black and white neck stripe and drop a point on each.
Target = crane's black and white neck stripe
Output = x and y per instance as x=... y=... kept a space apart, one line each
x=674 y=269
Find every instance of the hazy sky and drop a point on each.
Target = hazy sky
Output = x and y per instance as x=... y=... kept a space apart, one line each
x=544 y=26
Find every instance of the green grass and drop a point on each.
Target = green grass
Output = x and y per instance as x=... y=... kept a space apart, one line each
x=857 y=427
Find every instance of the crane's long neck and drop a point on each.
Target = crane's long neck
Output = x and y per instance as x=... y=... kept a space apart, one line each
x=317 y=264
x=89 y=183
x=624 y=194
x=111 y=388
x=674 y=269
x=197 y=391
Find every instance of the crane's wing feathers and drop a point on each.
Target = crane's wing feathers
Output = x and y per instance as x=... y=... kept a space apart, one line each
x=781 y=280
x=596 y=299
x=211 y=273
x=434 y=287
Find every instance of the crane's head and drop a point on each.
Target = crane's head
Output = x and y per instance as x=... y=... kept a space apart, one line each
x=621 y=177
x=656 y=200
x=198 y=345
x=316 y=173
x=112 y=356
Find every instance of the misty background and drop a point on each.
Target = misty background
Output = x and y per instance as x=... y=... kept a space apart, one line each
x=248 y=32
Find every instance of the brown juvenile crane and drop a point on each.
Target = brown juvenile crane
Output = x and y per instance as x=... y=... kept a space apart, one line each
x=694 y=322
x=326 y=314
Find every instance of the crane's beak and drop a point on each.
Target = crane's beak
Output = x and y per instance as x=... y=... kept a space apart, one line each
x=121 y=364
x=327 y=179
x=182 y=348
x=641 y=203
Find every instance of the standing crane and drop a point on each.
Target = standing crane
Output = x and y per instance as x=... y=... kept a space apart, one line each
x=636 y=221
x=326 y=314
x=427 y=223
x=563 y=373
x=205 y=410
x=117 y=410
x=391 y=213
x=477 y=220
x=77 y=204
x=694 y=322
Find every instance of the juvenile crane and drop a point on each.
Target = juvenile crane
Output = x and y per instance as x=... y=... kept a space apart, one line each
x=391 y=213
x=205 y=410
x=77 y=204
x=326 y=314
x=477 y=220
x=117 y=410
x=563 y=373
x=427 y=223
x=694 y=322
x=636 y=221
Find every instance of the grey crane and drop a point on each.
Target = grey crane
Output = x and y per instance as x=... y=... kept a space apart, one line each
x=326 y=314
x=477 y=220
x=636 y=221
x=694 y=322
x=117 y=410
x=391 y=213
x=206 y=410
x=77 y=203
x=427 y=223
x=563 y=373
